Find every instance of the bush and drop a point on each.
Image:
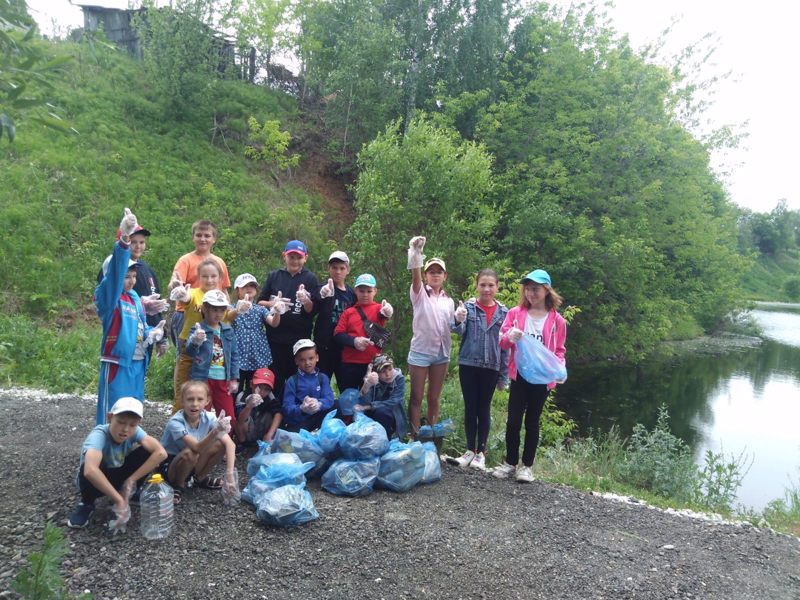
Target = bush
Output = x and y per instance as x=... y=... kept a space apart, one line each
x=791 y=288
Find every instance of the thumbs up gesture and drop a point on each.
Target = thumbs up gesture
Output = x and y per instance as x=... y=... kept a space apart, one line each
x=128 y=223
x=386 y=309
x=182 y=293
x=223 y=425
x=302 y=294
x=415 y=256
x=279 y=304
x=198 y=336
x=156 y=334
x=326 y=291
x=371 y=377
x=243 y=306
x=461 y=312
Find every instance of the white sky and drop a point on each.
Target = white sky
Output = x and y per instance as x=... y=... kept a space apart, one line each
x=754 y=43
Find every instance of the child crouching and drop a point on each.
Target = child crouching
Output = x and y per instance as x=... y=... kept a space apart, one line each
x=307 y=395
x=258 y=416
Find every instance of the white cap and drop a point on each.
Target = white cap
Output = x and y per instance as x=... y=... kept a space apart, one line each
x=107 y=261
x=244 y=279
x=339 y=255
x=301 y=345
x=215 y=298
x=127 y=404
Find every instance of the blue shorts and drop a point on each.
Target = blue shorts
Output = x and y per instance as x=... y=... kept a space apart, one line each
x=418 y=359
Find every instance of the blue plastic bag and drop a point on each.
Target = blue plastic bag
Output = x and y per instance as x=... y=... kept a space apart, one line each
x=433 y=466
x=331 y=432
x=440 y=430
x=347 y=400
x=304 y=444
x=351 y=477
x=364 y=438
x=259 y=458
x=287 y=506
x=537 y=364
x=271 y=476
x=402 y=467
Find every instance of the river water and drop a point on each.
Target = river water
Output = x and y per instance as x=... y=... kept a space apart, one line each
x=740 y=397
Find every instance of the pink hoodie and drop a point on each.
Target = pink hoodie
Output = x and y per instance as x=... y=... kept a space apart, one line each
x=554 y=334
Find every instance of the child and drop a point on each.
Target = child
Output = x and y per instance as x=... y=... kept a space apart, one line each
x=382 y=395
x=334 y=298
x=358 y=351
x=114 y=457
x=215 y=354
x=294 y=285
x=208 y=276
x=536 y=315
x=482 y=364
x=185 y=273
x=259 y=415
x=126 y=334
x=429 y=354
x=195 y=441
x=254 y=351
x=307 y=396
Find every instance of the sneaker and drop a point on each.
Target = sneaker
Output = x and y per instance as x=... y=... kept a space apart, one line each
x=479 y=462
x=503 y=470
x=465 y=459
x=524 y=474
x=80 y=516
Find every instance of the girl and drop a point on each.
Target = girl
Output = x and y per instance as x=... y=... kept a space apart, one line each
x=429 y=354
x=209 y=273
x=482 y=364
x=536 y=315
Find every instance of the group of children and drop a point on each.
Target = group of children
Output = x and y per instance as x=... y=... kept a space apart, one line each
x=253 y=360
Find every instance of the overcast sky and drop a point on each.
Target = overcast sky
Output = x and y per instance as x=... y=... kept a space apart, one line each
x=755 y=43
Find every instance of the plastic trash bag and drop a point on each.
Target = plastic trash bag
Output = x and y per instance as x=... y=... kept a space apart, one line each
x=351 y=477
x=287 y=506
x=347 y=400
x=331 y=432
x=304 y=444
x=259 y=458
x=364 y=438
x=440 y=430
x=402 y=467
x=278 y=474
x=433 y=466
x=537 y=364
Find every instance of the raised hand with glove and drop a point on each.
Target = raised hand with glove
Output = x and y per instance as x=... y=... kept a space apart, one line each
x=154 y=304
x=198 y=336
x=386 y=309
x=461 y=312
x=302 y=294
x=415 y=256
x=327 y=291
x=127 y=226
x=223 y=426
x=181 y=293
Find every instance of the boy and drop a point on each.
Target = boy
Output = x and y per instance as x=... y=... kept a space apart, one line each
x=114 y=457
x=382 y=396
x=259 y=416
x=334 y=298
x=195 y=441
x=350 y=333
x=296 y=285
x=308 y=396
x=204 y=236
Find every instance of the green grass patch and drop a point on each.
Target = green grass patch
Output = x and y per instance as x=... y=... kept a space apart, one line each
x=768 y=276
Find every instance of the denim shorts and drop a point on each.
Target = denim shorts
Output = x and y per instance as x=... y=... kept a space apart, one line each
x=418 y=359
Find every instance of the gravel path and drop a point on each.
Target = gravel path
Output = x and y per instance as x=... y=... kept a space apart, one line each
x=468 y=536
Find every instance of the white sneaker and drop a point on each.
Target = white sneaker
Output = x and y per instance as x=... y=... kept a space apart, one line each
x=524 y=474
x=503 y=470
x=465 y=459
x=479 y=462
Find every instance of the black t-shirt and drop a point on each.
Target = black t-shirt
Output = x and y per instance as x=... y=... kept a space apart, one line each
x=328 y=312
x=146 y=285
x=295 y=323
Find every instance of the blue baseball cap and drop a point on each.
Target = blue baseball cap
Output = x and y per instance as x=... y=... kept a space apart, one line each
x=297 y=247
x=366 y=279
x=538 y=276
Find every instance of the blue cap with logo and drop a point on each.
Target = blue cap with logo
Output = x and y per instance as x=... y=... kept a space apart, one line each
x=297 y=247
x=538 y=276
x=366 y=279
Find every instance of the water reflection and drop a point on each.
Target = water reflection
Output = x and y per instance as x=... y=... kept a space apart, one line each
x=744 y=399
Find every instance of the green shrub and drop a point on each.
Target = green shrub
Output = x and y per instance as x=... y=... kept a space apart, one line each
x=791 y=288
x=716 y=483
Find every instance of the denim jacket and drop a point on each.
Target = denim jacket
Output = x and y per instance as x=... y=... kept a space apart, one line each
x=201 y=355
x=480 y=342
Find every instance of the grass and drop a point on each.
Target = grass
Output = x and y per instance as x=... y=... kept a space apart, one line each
x=767 y=277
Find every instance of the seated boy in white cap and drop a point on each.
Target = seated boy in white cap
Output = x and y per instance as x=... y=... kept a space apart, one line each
x=307 y=395
x=114 y=457
x=258 y=415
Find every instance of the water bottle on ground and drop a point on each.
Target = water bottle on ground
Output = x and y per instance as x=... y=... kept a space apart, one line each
x=157 y=507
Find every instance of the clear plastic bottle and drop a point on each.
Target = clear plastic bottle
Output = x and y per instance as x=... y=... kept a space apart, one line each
x=157 y=506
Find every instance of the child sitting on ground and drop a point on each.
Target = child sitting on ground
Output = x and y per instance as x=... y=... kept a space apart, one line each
x=258 y=415
x=114 y=457
x=381 y=397
x=307 y=395
x=195 y=441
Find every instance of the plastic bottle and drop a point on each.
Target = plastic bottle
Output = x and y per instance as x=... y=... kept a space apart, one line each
x=157 y=507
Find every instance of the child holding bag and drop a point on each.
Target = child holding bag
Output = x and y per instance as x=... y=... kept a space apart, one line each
x=535 y=315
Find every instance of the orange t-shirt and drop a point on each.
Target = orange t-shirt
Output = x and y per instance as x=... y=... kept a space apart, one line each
x=186 y=267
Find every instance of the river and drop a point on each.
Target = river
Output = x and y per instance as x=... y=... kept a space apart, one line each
x=734 y=395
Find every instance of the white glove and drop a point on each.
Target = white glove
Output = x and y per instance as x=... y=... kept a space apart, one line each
x=371 y=378
x=254 y=400
x=280 y=304
x=386 y=309
x=243 y=306
x=461 y=312
x=156 y=334
x=307 y=406
x=514 y=335
x=231 y=495
x=362 y=343
x=302 y=295
x=181 y=293
x=153 y=304
x=223 y=425
x=198 y=336
x=326 y=291
x=128 y=224
x=415 y=256
x=122 y=515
